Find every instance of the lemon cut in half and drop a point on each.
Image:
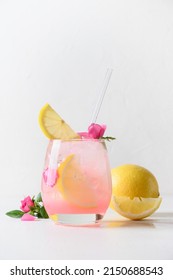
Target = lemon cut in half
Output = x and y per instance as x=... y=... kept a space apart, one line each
x=136 y=208
x=53 y=126
x=134 y=181
x=135 y=191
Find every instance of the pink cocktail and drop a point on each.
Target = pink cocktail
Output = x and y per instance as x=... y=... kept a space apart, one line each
x=76 y=181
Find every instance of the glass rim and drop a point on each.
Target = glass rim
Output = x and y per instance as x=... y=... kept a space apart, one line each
x=100 y=140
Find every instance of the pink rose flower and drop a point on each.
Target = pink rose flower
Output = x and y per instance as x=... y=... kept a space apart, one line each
x=96 y=130
x=28 y=217
x=27 y=203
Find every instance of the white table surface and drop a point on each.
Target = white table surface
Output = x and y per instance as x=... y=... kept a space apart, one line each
x=117 y=238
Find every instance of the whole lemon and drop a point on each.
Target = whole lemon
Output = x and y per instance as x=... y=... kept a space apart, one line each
x=134 y=181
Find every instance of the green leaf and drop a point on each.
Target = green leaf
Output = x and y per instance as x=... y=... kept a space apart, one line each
x=43 y=213
x=38 y=198
x=15 y=214
x=108 y=138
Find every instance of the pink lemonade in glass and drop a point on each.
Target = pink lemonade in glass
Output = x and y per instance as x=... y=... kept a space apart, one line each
x=76 y=181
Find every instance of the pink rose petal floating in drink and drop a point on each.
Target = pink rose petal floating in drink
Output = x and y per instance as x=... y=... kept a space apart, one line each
x=28 y=217
x=50 y=176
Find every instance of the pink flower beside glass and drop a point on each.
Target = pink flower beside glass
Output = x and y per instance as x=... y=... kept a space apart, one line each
x=27 y=203
x=31 y=209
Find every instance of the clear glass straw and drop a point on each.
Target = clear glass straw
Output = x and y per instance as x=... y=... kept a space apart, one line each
x=101 y=95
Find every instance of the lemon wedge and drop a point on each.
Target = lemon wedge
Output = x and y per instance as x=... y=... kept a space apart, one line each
x=53 y=126
x=136 y=208
x=74 y=185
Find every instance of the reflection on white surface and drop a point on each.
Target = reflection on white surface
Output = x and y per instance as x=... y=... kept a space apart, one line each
x=155 y=221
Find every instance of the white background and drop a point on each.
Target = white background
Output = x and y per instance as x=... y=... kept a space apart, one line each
x=58 y=52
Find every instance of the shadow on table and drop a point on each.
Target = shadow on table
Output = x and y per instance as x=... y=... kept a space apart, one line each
x=157 y=219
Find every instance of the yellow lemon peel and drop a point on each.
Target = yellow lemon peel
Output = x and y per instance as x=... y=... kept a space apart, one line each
x=53 y=126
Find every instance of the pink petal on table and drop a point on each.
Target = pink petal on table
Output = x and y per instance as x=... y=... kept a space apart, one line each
x=28 y=217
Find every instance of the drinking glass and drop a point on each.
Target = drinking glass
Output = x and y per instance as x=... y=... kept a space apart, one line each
x=76 y=182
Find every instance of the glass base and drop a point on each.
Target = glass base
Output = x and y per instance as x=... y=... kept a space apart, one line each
x=77 y=219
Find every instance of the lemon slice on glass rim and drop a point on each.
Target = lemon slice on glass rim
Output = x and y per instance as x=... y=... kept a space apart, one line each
x=53 y=126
